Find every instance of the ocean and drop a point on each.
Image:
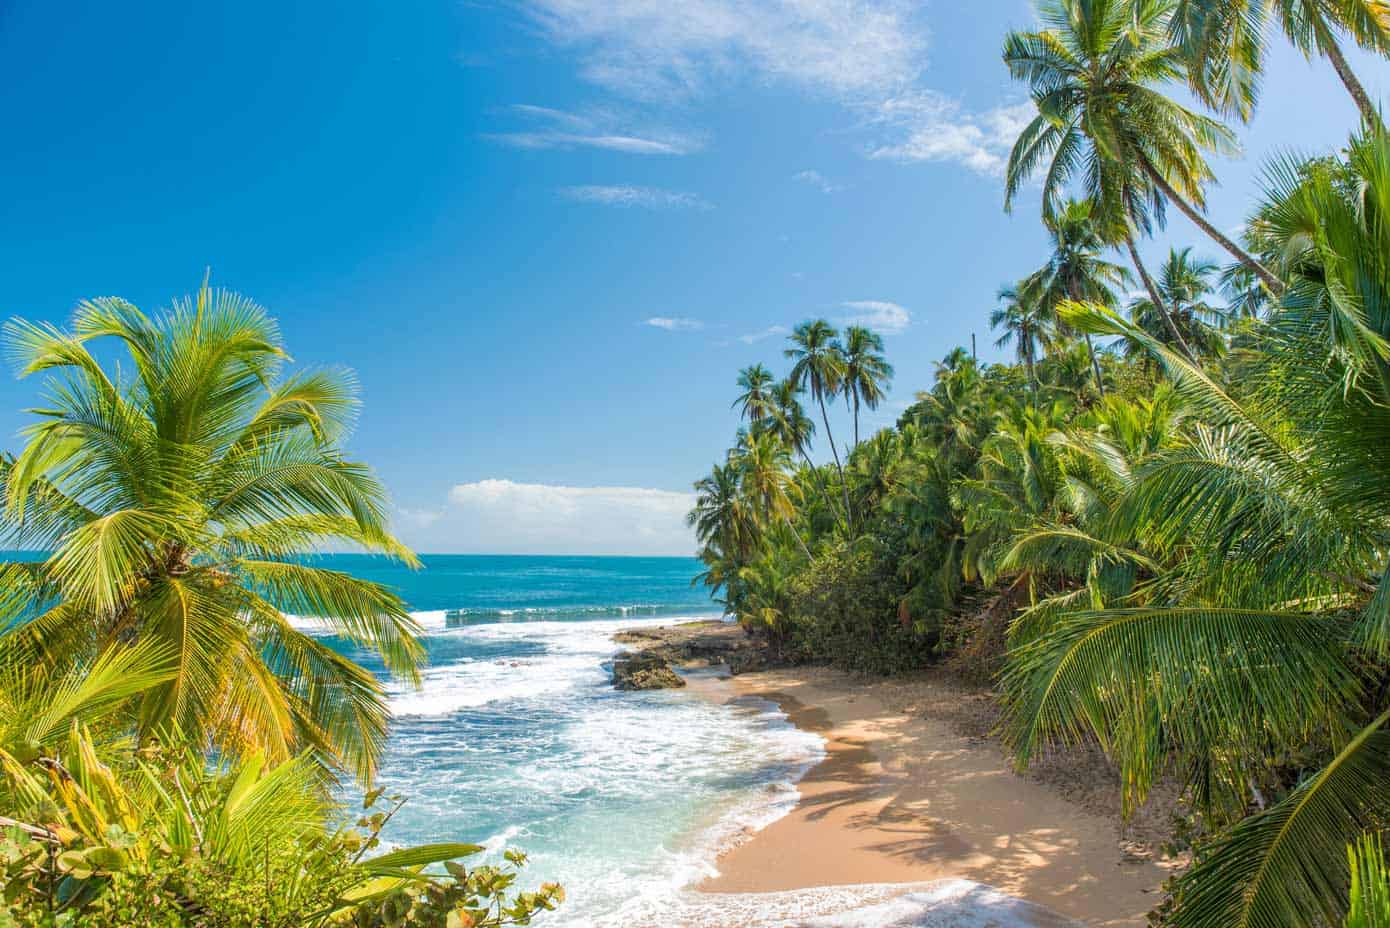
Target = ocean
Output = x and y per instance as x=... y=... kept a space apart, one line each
x=517 y=740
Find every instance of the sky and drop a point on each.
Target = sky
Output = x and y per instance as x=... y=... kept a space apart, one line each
x=546 y=234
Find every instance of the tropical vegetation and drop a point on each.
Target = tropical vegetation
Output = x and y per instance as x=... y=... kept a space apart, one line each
x=174 y=746
x=1162 y=527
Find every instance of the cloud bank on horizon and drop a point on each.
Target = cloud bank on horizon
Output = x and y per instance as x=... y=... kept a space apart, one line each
x=500 y=516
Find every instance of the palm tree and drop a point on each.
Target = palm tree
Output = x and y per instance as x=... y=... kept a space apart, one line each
x=762 y=461
x=178 y=506
x=1275 y=517
x=819 y=366
x=1225 y=40
x=1184 y=282
x=795 y=429
x=867 y=371
x=1095 y=74
x=1075 y=270
x=755 y=403
x=1020 y=316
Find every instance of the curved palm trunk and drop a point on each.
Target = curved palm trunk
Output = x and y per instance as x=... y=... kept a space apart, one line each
x=1090 y=348
x=1153 y=295
x=1327 y=44
x=844 y=488
x=856 y=420
x=1266 y=276
x=820 y=483
x=786 y=519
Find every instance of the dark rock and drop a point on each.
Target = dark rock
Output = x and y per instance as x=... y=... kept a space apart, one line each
x=645 y=670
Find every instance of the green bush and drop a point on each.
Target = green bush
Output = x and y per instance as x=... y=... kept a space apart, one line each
x=845 y=610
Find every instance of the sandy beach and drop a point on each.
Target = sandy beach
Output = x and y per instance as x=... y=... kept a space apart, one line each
x=909 y=793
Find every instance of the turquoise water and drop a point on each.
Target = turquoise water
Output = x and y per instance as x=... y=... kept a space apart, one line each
x=516 y=738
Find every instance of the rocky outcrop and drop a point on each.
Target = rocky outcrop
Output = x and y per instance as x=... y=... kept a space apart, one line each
x=645 y=670
x=657 y=651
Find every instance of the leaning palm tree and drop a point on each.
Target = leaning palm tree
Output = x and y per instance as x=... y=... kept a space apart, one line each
x=1096 y=73
x=1225 y=40
x=1019 y=316
x=819 y=366
x=867 y=371
x=178 y=505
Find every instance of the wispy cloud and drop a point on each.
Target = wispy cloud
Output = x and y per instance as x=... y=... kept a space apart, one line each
x=552 y=128
x=645 y=197
x=818 y=180
x=674 y=323
x=498 y=515
x=869 y=56
x=772 y=331
x=928 y=126
x=879 y=315
x=659 y=50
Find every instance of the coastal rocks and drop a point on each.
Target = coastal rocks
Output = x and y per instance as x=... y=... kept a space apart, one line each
x=646 y=670
x=710 y=643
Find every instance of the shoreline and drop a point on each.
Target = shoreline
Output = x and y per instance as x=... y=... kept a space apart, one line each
x=905 y=798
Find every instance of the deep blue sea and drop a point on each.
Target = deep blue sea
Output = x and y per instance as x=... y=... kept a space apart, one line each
x=516 y=738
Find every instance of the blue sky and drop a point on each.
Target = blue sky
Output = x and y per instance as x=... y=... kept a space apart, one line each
x=545 y=233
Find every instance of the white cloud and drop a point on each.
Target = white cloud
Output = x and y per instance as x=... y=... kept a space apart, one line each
x=870 y=55
x=818 y=180
x=625 y=195
x=506 y=517
x=552 y=128
x=929 y=126
x=675 y=323
x=656 y=49
x=879 y=315
x=771 y=331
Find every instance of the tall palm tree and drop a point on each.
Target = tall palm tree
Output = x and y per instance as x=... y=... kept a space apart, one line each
x=178 y=506
x=1096 y=74
x=867 y=371
x=819 y=366
x=755 y=403
x=1020 y=317
x=1226 y=42
x=1075 y=270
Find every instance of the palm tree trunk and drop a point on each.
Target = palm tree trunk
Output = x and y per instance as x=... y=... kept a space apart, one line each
x=1153 y=294
x=1327 y=43
x=1275 y=286
x=797 y=535
x=844 y=488
x=820 y=484
x=1090 y=346
x=856 y=420
x=1095 y=365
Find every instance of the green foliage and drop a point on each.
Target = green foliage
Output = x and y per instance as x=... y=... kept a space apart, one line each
x=1370 y=884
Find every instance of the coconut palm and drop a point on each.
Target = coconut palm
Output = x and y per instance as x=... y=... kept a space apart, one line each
x=1184 y=282
x=818 y=365
x=1096 y=74
x=763 y=463
x=755 y=403
x=178 y=505
x=796 y=429
x=1075 y=269
x=1274 y=516
x=1020 y=317
x=867 y=371
x=1226 y=42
